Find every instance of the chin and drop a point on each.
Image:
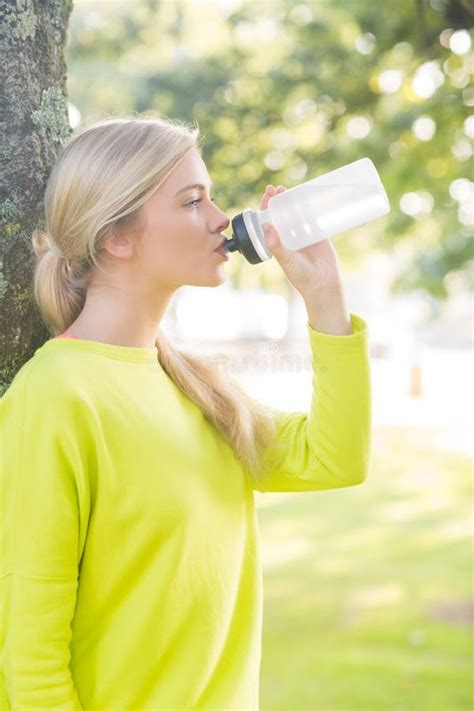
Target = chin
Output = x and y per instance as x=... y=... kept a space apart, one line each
x=221 y=276
x=216 y=279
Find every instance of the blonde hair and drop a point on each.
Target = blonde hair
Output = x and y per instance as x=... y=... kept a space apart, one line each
x=100 y=179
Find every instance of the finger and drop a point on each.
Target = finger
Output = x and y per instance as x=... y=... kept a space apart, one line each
x=270 y=190
x=269 y=193
x=285 y=257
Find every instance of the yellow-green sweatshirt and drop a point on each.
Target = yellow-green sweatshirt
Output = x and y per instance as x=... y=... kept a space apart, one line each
x=130 y=567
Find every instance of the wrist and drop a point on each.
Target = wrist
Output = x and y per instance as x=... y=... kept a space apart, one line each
x=328 y=312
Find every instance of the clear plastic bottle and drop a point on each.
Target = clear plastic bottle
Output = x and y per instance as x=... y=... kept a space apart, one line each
x=315 y=210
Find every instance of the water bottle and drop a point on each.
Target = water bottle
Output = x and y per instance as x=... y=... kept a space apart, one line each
x=315 y=210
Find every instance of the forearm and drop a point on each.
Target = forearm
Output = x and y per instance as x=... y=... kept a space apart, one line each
x=328 y=312
x=328 y=447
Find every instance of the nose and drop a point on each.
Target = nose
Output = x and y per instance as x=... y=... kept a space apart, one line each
x=220 y=220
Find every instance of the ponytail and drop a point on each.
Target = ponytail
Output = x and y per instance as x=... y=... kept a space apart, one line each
x=244 y=423
x=60 y=291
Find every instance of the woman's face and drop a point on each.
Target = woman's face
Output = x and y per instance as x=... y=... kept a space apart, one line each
x=182 y=228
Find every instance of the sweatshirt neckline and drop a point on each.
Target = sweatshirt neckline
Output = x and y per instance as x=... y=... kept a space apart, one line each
x=109 y=350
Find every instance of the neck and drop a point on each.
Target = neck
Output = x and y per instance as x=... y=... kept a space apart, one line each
x=122 y=318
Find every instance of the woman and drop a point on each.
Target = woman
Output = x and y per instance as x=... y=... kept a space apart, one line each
x=131 y=575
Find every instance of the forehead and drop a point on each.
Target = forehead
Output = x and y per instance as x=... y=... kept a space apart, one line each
x=191 y=169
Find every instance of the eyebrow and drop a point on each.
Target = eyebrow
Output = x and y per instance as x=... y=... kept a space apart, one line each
x=198 y=186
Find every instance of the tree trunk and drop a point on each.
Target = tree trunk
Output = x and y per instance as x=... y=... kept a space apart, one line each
x=33 y=126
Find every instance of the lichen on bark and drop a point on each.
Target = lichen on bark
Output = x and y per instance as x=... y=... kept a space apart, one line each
x=18 y=20
x=8 y=211
x=10 y=220
x=3 y=282
x=50 y=117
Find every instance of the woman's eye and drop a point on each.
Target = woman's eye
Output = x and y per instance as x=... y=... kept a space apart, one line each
x=196 y=200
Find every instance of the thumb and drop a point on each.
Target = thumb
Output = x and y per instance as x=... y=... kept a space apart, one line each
x=272 y=238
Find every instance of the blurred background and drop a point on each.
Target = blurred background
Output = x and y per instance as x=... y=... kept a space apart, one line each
x=369 y=590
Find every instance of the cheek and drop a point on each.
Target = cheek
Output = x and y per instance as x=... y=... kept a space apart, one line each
x=165 y=254
x=162 y=241
x=175 y=244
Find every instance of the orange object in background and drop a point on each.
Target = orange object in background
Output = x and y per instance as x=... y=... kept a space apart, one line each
x=416 y=385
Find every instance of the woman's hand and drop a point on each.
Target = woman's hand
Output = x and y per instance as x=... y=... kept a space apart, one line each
x=312 y=269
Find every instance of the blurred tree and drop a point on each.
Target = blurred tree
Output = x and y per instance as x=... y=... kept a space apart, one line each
x=285 y=91
x=33 y=123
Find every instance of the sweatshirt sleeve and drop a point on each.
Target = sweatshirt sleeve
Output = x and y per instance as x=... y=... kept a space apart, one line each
x=329 y=446
x=44 y=511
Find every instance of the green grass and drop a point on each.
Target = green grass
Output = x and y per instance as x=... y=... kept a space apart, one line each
x=368 y=590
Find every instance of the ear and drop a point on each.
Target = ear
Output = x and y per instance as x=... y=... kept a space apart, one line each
x=120 y=245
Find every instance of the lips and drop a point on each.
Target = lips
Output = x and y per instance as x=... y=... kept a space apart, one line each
x=220 y=249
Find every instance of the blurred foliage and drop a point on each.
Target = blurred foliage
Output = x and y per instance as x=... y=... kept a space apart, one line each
x=284 y=91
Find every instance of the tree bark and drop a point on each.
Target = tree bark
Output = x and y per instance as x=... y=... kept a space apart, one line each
x=33 y=126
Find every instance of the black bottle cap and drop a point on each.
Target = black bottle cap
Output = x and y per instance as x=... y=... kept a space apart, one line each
x=231 y=245
x=241 y=241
